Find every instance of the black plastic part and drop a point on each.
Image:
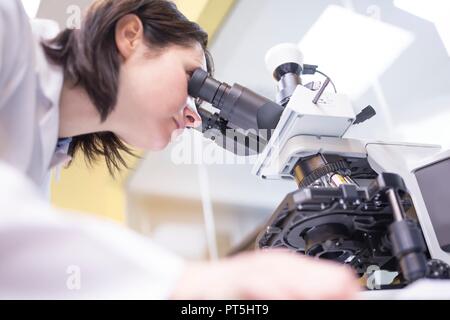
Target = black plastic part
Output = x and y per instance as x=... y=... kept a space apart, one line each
x=309 y=69
x=234 y=140
x=355 y=226
x=413 y=266
x=438 y=269
x=196 y=82
x=211 y=121
x=409 y=247
x=349 y=192
x=333 y=224
x=365 y=114
x=285 y=68
x=326 y=241
x=240 y=107
x=247 y=110
x=308 y=170
x=387 y=180
x=433 y=182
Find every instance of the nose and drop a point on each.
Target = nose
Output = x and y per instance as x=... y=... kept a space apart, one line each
x=191 y=118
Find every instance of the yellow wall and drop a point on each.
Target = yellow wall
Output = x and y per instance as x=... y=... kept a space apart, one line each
x=93 y=189
x=208 y=13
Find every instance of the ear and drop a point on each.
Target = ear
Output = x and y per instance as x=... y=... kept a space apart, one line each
x=129 y=33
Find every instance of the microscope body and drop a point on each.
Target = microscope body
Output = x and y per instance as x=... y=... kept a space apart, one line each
x=379 y=207
x=343 y=210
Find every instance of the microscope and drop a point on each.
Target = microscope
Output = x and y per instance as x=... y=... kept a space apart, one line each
x=379 y=207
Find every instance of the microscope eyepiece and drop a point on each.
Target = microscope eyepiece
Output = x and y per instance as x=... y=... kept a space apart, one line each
x=241 y=107
x=207 y=89
x=202 y=86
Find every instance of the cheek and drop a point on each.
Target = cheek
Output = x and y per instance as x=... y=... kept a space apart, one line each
x=151 y=100
x=168 y=92
x=156 y=86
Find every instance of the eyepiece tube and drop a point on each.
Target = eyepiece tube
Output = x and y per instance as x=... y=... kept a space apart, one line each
x=202 y=86
x=241 y=107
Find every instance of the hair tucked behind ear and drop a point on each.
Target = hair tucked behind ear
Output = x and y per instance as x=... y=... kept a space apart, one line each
x=90 y=59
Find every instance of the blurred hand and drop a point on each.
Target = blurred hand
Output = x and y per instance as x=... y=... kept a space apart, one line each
x=271 y=274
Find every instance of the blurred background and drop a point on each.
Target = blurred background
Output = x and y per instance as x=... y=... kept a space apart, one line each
x=391 y=54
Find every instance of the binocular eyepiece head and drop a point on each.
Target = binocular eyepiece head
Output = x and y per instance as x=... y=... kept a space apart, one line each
x=239 y=106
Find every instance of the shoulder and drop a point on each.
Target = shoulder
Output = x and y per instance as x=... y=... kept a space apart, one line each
x=44 y=29
x=13 y=18
x=11 y=7
x=15 y=38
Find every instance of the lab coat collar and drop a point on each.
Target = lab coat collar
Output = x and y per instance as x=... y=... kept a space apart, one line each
x=49 y=85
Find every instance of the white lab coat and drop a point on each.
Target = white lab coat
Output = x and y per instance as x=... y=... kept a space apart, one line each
x=30 y=89
x=46 y=253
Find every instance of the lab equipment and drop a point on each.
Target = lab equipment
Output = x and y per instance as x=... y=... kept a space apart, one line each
x=380 y=207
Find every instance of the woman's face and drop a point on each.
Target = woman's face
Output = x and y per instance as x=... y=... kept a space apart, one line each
x=152 y=104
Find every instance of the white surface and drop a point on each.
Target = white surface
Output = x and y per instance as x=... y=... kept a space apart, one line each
x=353 y=49
x=435 y=11
x=330 y=117
x=421 y=290
x=281 y=54
x=273 y=165
x=31 y=7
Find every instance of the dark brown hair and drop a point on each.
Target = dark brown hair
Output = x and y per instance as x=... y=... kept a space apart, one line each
x=90 y=58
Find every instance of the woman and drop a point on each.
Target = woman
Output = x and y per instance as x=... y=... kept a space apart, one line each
x=121 y=78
